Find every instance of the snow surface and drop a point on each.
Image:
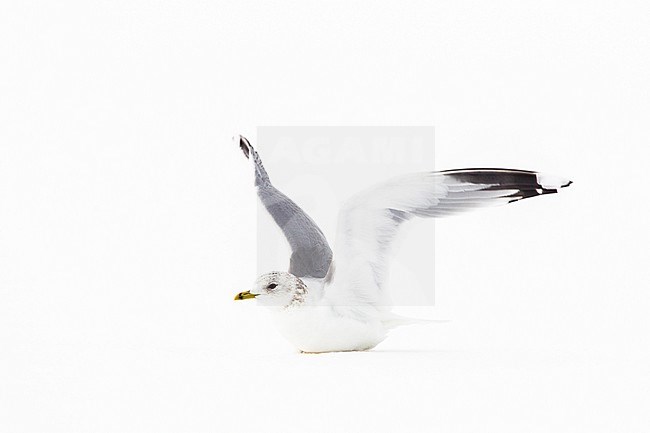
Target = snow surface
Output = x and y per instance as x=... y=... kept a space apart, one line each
x=418 y=381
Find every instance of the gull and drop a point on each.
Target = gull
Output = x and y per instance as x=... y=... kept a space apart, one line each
x=333 y=302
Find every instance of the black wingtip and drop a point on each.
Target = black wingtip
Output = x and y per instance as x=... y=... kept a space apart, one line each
x=566 y=184
x=245 y=146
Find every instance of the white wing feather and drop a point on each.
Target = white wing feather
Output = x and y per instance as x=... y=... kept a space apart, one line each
x=369 y=221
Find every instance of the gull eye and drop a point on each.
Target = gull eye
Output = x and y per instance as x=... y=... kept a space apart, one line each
x=271 y=286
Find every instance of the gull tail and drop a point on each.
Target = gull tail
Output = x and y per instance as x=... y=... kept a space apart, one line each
x=391 y=321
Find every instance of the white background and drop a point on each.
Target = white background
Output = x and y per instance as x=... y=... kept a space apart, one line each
x=127 y=216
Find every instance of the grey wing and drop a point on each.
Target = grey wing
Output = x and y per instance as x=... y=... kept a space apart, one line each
x=311 y=255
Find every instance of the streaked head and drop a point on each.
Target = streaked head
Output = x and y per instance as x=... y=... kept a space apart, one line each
x=279 y=289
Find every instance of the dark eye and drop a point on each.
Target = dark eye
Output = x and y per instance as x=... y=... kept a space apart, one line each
x=272 y=286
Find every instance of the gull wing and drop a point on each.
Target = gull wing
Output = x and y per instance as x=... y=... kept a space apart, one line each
x=311 y=254
x=369 y=221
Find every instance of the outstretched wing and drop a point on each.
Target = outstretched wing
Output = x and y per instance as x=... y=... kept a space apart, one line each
x=311 y=255
x=369 y=221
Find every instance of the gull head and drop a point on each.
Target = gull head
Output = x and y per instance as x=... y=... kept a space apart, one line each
x=276 y=289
